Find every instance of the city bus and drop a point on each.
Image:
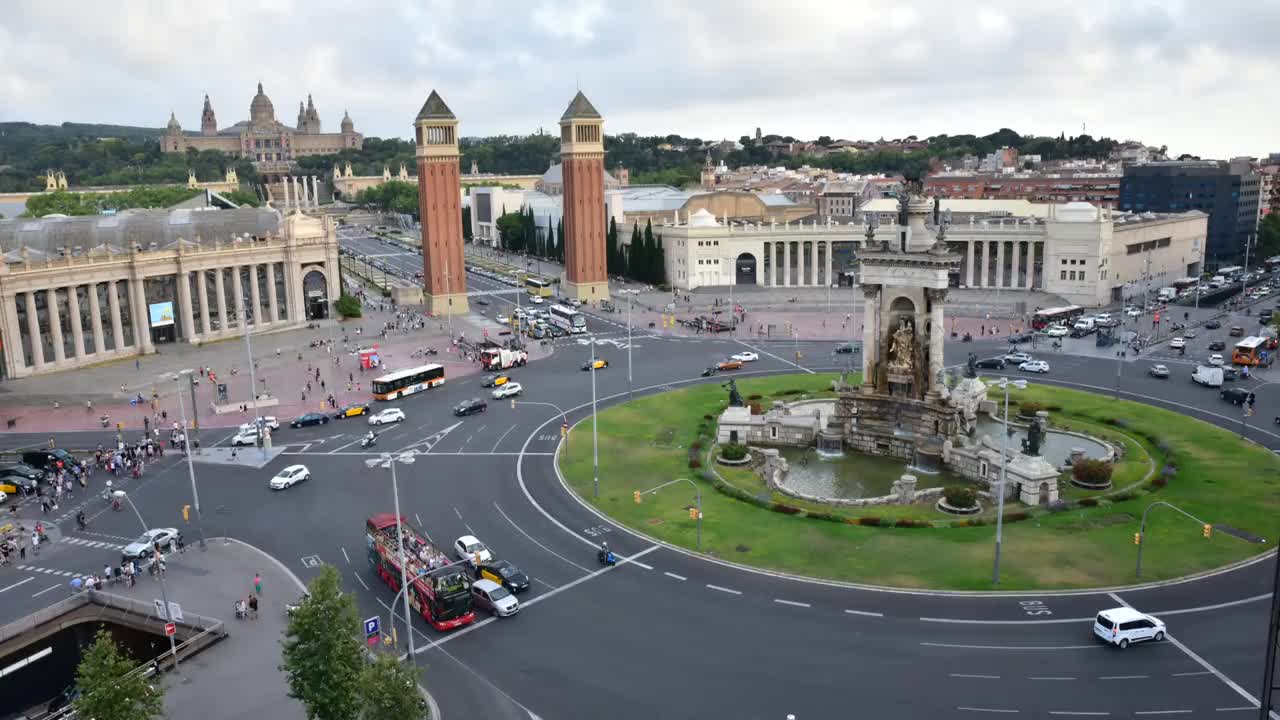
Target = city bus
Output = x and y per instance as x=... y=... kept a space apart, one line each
x=537 y=287
x=567 y=319
x=1231 y=273
x=1249 y=351
x=1063 y=316
x=408 y=381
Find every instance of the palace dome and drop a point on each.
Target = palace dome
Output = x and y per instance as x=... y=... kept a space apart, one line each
x=261 y=110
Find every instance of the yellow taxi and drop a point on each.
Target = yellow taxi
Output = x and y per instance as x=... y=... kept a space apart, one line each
x=351 y=411
x=491 y=381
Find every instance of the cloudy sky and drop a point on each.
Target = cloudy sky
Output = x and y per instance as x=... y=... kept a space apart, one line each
x=1194 y=75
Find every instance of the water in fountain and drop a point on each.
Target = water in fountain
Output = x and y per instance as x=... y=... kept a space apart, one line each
x=852 y=475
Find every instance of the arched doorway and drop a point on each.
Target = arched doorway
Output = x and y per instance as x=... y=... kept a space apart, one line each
x=315 y=294
x=745 y=269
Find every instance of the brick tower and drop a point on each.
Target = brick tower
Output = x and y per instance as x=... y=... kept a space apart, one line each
x=440 y=206
x=582 y=158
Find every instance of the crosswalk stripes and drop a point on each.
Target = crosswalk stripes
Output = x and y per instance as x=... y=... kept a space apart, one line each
x=50 y=571
x=92 y=543
x=506 y=291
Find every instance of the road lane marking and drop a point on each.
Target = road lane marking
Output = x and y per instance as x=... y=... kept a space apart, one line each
x=1013 y=647
x=792 y=603
x=640 y=564
x=504 y=437
x=775 y=357
x=535 y=542
x=1235 y=709
x=1060 y=621
x=455 y=512
x=677 y=577
x=988 y=710
x=1192 y=674
x=974 y=677
x=1094 y=713
x=1050 y=678
x=20 y=582
x=724 y=589
x=415 y=517
x=1203 y=663
x=362 y=582
x=345 y=555
x=1124 y=677
x=865 y=613
x=1162 y=712
x=51 y=587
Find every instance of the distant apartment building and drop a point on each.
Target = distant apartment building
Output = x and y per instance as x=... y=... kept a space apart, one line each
x=1101 y=188
x=840 y=200
x=1228 y=192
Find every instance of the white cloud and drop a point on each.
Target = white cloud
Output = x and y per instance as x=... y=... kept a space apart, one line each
x=1164 y=72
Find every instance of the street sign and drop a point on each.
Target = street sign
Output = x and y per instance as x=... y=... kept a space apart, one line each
x=159 y=605
x=175 y=612
x=371 y=630
x=170 y=629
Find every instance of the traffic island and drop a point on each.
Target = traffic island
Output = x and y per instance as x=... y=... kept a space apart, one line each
x=1083 y=539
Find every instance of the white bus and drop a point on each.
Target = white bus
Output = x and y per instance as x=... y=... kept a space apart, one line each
x=406 y=382
x=567 y=319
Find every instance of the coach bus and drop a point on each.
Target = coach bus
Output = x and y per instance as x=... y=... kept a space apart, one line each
x=1063 y=316
x=408 y=381
x=537 y=287
x=567 y=319
x=1249 y=351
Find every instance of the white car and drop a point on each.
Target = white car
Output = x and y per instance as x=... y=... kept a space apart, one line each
x=1123 y=626
x=536 y=300
x=1215 y=360
x=502 y=320
x=1056 y=331
x=289 y=477
x=1102 y=317
x=1035 y=366
x=390 y=415
x=510 y=389
x=245 y=436
x=469 y=548
x=1177 y=343
x=746 y=356
x=1133 y=312
x=267 y=421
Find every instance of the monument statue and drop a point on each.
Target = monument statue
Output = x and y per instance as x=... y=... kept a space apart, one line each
x=971 y=370
x=902 y=348
x=735 y=397
x=904 y=199
x=1035 y=437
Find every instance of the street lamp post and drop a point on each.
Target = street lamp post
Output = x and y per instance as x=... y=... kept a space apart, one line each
x=1142 y=530
x=595 y=440
x=697 y=498
x=1004 y=468
x=164 y=592
x=253 y=379
x=191 y=469
x=387 y=460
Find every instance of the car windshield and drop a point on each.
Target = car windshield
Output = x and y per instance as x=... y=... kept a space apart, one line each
x=474 y=547
x=498 y=593
x=506 y=571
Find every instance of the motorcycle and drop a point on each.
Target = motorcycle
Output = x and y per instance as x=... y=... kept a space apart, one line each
x=606 y=557
x=368 y=441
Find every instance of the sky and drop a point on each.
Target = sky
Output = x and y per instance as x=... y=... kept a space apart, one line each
x=1195 y=76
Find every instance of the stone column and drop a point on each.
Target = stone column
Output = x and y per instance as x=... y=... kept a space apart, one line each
x=829 y=264
x=202 y=288
x=1013 y=274
x=1000 y=263
x=183 y=280
x=33 y=329
x=113 y=306
x=315 y=193
x=986 y=263
x=937 y=333
x=870 y=335
x=272 y=302
x=254 y=296
x=237 y=293
x=77 y=327
x=220 y=288
x=969 y=270
x=140 y=314
x=55 y=324
x=284 y=183
x=1031 y=264
x=15 y=362
x=786 y=264
x=95 y=319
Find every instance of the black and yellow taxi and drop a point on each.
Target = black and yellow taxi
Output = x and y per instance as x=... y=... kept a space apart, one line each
x=505 y=574
x=18 y=477
x=498 y=380
x=351 y=411
x=597 y=364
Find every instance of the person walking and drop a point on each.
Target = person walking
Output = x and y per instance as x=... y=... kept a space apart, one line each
x=253 y=607
x=257 y=583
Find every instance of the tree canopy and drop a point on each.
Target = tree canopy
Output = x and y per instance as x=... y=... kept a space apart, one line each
x=107 y=689
x=71 y=203
x=389 y=691
x=323 y=657
x=395 y=196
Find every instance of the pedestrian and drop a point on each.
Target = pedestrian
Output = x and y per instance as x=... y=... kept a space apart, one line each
x=22 y=549
x=44 y=506
x=257 y=583
x=35 y=543
x=253 y=606
x=137 y=365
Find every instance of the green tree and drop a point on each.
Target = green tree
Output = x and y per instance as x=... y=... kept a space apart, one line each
x=611 y=248
x=348 y=306
x=107 y=689
x=244 y=198
x=1269 y=235
x=389 y=691
x=513 y=230
x=323 y=657
x=649 y=269
x=659 y=263
x=560 y=240
x=635 y=253
x=466 y=223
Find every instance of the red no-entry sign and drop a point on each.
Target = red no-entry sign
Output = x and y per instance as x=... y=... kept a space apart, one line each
x=170 y=629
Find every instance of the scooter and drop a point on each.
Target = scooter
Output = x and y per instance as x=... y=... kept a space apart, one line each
x=606 y=557
x=368 y=441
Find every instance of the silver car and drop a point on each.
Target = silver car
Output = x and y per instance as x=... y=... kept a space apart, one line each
x=493 y=597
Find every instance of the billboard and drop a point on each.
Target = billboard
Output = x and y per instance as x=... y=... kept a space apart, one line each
x=161 y=314
x=483 y=207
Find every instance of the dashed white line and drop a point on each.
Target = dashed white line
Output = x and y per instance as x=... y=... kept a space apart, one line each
x=640 y=564
x=792 y=603
x=974 y=677
x=535 y=542
x=1050 y=678
x=731 y=591
x=1092 y=713
x=990 y=710
x=1162 y=712
x=415 y=517
x=504 y=437
x=455 y=512
x=1013 y=647
x=345 y=555
x=20 y=582
x=864 y=613
x=1235 y=709
x=362 y=582
x=1124 y=677
x=677 y=577
x=1192 y=674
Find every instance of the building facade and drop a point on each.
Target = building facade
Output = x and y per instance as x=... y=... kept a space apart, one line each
x=269 y=144
x=1228 y=192
x=440 y=208
x=80 y=290
x=1098 y=188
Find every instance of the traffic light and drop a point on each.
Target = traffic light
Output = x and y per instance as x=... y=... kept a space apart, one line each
x=636 y=496
x=1208 y=530
x=693 y=513
x=186 y=513
x=1137 y=538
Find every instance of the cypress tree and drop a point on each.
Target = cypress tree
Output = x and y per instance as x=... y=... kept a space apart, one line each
x=650 y=254
x=659 y=262
x=611 y=248
x=560 y=240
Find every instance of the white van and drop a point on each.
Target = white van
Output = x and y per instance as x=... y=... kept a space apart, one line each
x=1085 y=323
x=1207 y=376
x=1168 y=294
x=1123 y=625
x=1217 y=281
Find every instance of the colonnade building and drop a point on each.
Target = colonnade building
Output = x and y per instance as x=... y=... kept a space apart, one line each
x=75 y=291
x=1085 y=254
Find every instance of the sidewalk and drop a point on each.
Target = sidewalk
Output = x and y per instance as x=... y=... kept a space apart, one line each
x=239 y=676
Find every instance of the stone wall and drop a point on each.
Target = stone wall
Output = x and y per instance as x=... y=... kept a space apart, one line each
x=884 y=425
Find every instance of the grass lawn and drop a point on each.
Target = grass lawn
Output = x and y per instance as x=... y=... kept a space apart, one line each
x=1219 y=478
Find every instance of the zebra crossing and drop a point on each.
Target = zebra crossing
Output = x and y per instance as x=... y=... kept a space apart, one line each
x=50 y=571
x=92 y=543
x=486 y=293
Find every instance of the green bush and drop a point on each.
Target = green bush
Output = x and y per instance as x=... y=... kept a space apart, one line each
x=1016 y=516
x=960 y=496
x=1126 y=495
x=828 y=516
x=912 y=523
x=1088 y=502
x=1028 y=408
x=1092 y=472
x=733 y=451
x=869 y=521
x=695 y=463
x=756 y=396
x=695 y=445
x=784 y=508
x=1159 y=481
x=348 y=306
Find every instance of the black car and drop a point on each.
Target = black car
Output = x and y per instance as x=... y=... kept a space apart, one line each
x=1021 y=337
x=23 y=476
x=1236 y=395
x=994 y=363
x=844 y=348
x=505 y=574
x=1212 y=325
x=482 y=301
x=309 y=419
x=470 y=407
x=1217 y=345
x=558 y=332
x=50 y=459
x=1229 y=373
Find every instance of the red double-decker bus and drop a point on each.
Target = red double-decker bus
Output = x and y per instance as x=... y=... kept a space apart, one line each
x=441 y=594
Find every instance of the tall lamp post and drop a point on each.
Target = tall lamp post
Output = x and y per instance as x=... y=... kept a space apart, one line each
x=387 y=460
x=191 y=468
x=253 y=375
x=630 y=293
x=1004 y=383
x=164 y=593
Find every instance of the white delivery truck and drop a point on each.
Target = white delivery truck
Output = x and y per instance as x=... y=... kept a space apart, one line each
x=1168 y=294
x=1207 y=376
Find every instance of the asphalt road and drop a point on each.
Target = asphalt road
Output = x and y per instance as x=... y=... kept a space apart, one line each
x=665 y=633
